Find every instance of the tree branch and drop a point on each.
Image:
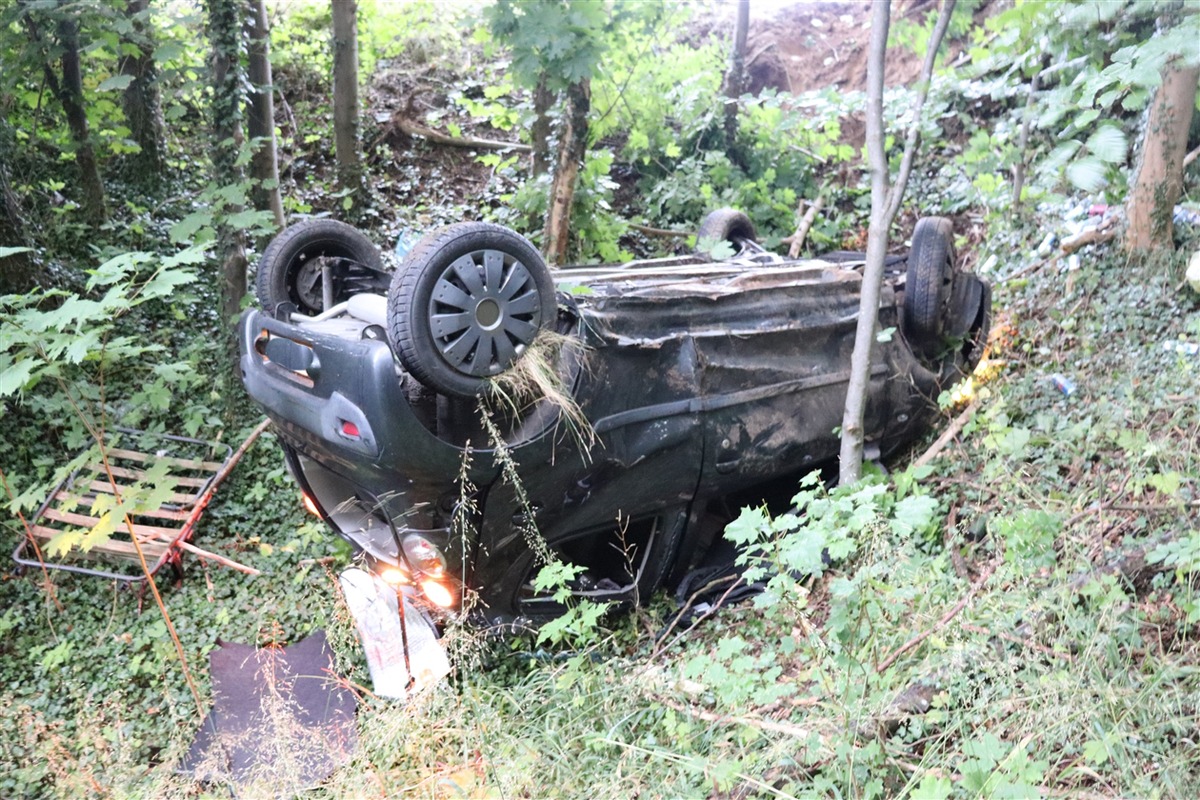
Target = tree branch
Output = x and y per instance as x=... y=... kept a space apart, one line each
x=914 y=132
x=949 y=615
x=810 y=216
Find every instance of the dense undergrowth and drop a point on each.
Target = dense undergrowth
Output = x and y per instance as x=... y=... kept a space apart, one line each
x=1018 y=618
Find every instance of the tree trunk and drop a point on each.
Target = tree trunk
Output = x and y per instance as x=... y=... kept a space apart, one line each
x=885 y=202
x=1156 y=189
x=71 y=96
x=735 y=79
x=345 y=94
x=225 y=35
x=264 y=166
x=18 y=272
x=539 y=133
x=572 y=146
x=142 y=101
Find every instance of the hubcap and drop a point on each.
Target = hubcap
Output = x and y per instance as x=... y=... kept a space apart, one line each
x=484 y=311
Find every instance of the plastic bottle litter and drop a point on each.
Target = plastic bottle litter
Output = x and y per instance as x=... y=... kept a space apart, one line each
x=405 y=242
x=1183 y=348
x=1063 y=384
x=1047 y=245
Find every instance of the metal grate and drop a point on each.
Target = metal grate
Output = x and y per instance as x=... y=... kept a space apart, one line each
x=91 y=495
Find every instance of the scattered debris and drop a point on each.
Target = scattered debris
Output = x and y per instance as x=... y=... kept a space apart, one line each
x=403 y=653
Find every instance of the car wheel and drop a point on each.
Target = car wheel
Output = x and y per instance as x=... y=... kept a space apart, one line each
x=471 y=298
x=928 y=283
x=727 y=225
x=295 y=265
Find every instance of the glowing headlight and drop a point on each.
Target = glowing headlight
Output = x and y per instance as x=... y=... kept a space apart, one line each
x=423 y=555
x=394 y=576
x=437 y=593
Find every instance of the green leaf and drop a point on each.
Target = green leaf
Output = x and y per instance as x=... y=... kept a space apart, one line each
x=1086 y=118
x=913 y=513
x=186 y=228
x=748 y=526
x=116 y=82
x=5 y=252
x=15 y=376
x=1087 y=174
x=1108 y=144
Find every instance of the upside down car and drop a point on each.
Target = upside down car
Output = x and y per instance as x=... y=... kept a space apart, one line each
x=670 y=389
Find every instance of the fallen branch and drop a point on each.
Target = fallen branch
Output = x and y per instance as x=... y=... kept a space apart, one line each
x=736 y=581
x=1103 y=232
x=797 y=239
x=411 y=128
x=222 y=560
x=1023 y=271
x=757 y=723
x=955 y=428
x=949 y=615
x=661 y=233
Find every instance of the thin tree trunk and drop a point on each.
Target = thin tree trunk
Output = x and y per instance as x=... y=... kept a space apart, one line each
x=1019 y=167
x=142 y=101
x=885 y=202
x=539 y=133
x=18 y=272
x=225 y=35
x=571 y=148
x=735 y=78
x=264 y=166
x=71 y=96
x=1159 y=181
x=345 y=94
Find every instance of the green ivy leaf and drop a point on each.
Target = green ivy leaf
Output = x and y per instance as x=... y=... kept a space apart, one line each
x=1108 y=144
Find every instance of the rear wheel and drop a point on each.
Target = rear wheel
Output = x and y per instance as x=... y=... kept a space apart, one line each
x=318 y=263
x=471 y=298
x=929 y=284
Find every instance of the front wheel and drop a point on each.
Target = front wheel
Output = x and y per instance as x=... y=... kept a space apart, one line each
x=316 y=264
x=471 y=298
x=727 y=225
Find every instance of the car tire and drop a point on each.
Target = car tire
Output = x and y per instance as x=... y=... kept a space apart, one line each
x=928 y=284
x=471 y=298
x=290 y=268
x=727 y=225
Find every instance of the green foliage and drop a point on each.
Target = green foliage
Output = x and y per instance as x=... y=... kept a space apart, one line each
x=49 y=335
x=561 y=40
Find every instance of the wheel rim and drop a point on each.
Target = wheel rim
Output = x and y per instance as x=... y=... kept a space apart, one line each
x=483 y=312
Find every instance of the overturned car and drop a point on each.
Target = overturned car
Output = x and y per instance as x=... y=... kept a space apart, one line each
x=448 y=418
